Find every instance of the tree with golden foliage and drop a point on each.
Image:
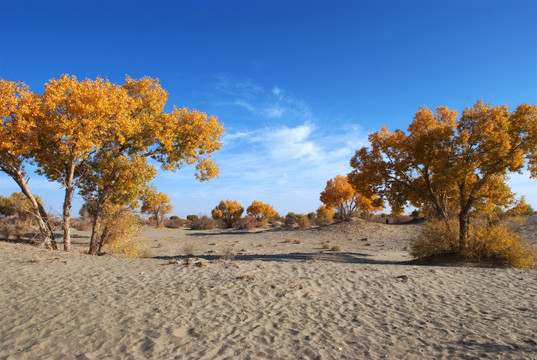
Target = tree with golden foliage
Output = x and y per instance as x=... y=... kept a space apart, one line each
x=340 y=195
x=325 y=212
x=454 y=166
x=18 y=108
x=260 y=211
x=84 y=122
x=228 y=211
x=156 y=203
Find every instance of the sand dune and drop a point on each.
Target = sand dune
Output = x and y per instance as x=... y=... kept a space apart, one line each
x=278 y=298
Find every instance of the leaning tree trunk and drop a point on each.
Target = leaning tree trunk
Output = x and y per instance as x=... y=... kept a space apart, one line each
x=39 y=212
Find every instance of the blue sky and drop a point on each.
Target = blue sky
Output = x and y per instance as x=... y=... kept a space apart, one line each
x=298 y=84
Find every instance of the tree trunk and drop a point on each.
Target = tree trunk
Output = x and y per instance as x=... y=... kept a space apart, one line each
x=463 y=230
x=39 y=212
x=95 y=230
x=66 y=223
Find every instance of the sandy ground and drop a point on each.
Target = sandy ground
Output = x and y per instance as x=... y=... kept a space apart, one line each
x=277 y=294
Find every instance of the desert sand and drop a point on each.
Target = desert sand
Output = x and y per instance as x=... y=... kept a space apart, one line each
x=272 y=294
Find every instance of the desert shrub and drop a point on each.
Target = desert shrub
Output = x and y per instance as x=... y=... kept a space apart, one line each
x=325 y=245
x=6 y=228
x=417 y=214
x=174 y=217
x=323 y=221
x=120 y=232
x=246 y=223
x=303 y=222
x=312 y=215
x=203 y=223
x=188 y=248
x=192 y=217
x=495 y=243
x=501 y=245
x=436 y=238
x=81 y=224
x=174 y=223
x=290 y=222
x=292 y=215
x=263 y=223
x=335 y=248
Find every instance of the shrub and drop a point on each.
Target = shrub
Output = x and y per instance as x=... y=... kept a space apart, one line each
x=312 y=215
x=175 y=223
x=246 y=223
x=81 y=224
x=436 y=238
x=174 y=217
x=289 y=223
x=303 y=222
x=203 y=223
x=192 y=217
x=326 y=245
x=335 y=248
x=501 y=245
x=495 y=243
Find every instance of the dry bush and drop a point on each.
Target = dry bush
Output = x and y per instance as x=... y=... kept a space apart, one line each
x=288 y=241
x=120 y=233
x=437 y=237
x=6 y=228
x=290 y=223
x=14 y=227
x=189 y=248
x=81 y=224
x=495 y=243
x=203 y=223
x=335 y=248
x=246 y=223
x=325 y=245
x=175 y=223
x=304 y=222
x=263 y=223
x=500 y=245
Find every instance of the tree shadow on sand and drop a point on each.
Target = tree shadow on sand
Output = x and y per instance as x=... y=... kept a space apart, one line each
x=341 y=257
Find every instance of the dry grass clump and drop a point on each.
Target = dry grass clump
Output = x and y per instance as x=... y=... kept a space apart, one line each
x=288 y=241
x=189 y=248
x=325 y=245
x=335 y=248
x=132 y=248
x=203 y=223
x=495 y=243
x=298 y=241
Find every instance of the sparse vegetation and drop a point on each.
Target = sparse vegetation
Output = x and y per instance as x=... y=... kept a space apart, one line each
x=203 y=223
x=246 y=223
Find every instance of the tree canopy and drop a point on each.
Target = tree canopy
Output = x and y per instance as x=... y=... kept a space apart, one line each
x=450 y=165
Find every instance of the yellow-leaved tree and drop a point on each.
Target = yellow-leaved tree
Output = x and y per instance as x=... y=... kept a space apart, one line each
x=18 y=109
x=260 y=210
x=86 y=123
x=456 y=167
x=228 y=211
x=340 y=195
x=156 y=203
